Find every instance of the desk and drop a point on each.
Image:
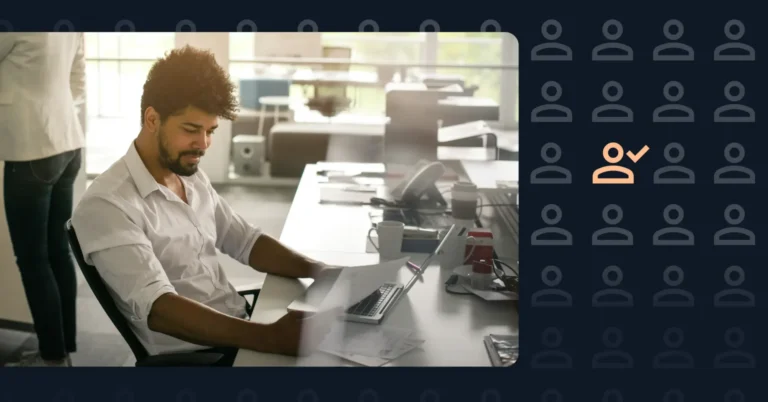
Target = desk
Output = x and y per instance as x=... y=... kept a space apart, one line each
x=452 y=325
x=311 y=226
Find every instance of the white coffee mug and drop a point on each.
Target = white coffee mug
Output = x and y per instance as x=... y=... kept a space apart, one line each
x=390 y=235
x=454 y=252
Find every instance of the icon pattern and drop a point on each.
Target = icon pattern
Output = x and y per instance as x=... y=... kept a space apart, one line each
x=666 y=241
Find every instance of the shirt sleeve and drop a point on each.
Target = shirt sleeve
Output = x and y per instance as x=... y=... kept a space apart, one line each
x=234 y=235
x=77 y=76
x=122 y=254
x=7 y=40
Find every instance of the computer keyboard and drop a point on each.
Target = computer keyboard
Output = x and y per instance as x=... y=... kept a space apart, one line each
x=371 y=304
x=505 y=206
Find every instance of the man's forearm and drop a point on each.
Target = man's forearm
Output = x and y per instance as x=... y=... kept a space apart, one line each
x=270 y=256
x=193 y=322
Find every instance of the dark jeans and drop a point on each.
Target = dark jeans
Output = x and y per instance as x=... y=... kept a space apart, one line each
x=38 y=203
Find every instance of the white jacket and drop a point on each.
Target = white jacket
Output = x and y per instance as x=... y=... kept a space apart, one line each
x=42 y=79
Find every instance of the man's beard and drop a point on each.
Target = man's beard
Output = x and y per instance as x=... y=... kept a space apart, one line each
x=176 y=165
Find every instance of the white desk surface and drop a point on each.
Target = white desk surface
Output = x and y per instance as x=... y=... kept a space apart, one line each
x=451 y=325
x=311 y=226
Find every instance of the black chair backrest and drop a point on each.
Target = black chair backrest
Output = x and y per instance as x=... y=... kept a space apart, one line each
x=102 y=294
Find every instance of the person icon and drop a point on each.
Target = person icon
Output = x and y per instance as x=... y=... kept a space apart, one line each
x=612 y=395
x=551 y=236
x=612 y=112
x=673 y=112
x=673 y=235
x=612 y=357
x=673 y=50
x=734 y=395
x=673 y=296
x=551 y=51
x=734 y=358
x=743 y=113
x=612 y=235
x=551 y=297
x=628 y=175
x=734 y=50
x=734 y=297
x=551 y=395
x=674 y=395
x=551 y=112
x=673 y=358
x=739 y=236
x=612 y=296
x=552 y=358
x=612 y=50
x=734 y=154
x=551 y=173
x=674 y=173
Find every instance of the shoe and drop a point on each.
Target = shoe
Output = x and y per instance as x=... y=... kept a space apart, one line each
x=33 y=359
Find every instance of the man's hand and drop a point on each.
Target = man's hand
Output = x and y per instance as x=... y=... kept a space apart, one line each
x=298 y=333
x=319 y=269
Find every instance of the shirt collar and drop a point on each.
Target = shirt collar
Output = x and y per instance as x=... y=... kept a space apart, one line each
x=145 y=183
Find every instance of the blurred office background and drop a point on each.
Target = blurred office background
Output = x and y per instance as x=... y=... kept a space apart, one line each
x=118 y=64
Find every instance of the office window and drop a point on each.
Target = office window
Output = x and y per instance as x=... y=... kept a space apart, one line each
x=472 y=48
x=404 y=47
x=117 y=66
x=399 y=47
x=418 y=48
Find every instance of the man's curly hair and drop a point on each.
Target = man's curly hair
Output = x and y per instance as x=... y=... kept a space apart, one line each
x=188 y=77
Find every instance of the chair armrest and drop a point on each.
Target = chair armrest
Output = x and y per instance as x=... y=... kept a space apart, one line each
x=180 y=360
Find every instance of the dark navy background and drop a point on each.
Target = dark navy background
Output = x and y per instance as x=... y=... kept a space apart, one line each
x=581 y=332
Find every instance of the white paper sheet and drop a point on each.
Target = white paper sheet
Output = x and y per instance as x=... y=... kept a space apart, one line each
x=367 y=340
x=342 y=193
x=408 y=345
x=350 y=286
x=367 y=361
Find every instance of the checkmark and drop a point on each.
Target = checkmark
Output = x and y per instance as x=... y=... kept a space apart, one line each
x=636 y=157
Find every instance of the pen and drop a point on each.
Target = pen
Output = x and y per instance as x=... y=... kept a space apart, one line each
x=412 y=266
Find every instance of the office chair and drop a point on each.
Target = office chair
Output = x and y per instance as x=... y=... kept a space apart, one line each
x=143 y=358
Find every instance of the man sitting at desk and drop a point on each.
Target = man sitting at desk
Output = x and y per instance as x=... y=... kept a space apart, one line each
x=152 y=222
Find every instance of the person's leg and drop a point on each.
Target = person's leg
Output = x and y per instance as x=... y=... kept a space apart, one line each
x=59 y=254
x=27 y=196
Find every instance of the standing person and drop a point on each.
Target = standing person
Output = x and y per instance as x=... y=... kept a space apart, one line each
x=42 y=79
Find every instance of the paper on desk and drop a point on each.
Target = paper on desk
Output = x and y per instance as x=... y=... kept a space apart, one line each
x=351 y=168
x=367 y=340
x=347 y=193
x=408 y=345
x=367 y=361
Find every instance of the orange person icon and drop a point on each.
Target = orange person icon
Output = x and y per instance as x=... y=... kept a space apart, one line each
x=629 y=176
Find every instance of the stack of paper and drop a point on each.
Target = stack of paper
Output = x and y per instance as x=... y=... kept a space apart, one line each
x=503 y=350
x=368 y=345
x=342 y=193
